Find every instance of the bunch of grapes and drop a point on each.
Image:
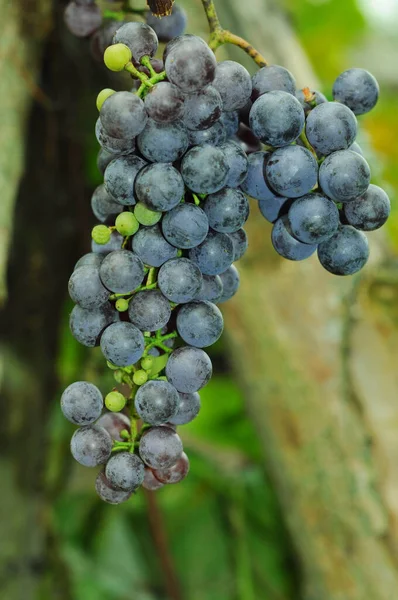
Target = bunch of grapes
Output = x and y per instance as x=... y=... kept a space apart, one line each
x=171 y=215
x=311 y=180
x=180 y=153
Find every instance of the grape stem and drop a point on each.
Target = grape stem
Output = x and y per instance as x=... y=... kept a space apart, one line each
x=220 y=36
x=306 y=143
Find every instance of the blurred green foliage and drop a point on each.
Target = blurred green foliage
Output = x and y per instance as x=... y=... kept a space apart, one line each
x=224 y=529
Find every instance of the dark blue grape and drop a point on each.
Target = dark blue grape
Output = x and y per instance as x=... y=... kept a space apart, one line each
x=150 y=245
x=214 y=255
x=91 y=446
x=370 y=211
x=200 y=324
x=160 y=447
x=344 y=176
x=237 y=163
x=214 y=135
x=122 y=271
x=82 y=403
x=163 y=142
x=255 y=184
x=103 y=159
x=186 y=226
x=202 y=109
x=345 y=253
x=149 y=310
x=286 y=245
x=277 y=118
x=139 y=37
x=180 y=280
x=313 y=218
x=318 y=98
x=357 y=89
x=91 y=259
x=168 y=27
x=102 y=38
x=247 y=140
x=112 y=145
x=211 y=289
x=330 y=127
x=189 y=63
x=188 y=409
x=355 y=147
x=156 y=402
x=273 y=208
x=107 y=493
x=164 y=102
x=159 y=186
x=205 y=169
x=120 y=176
x=292 y=171
x=87 y=325
x=86 y=289
x=82 y=20
x=230 y=120
x=230 y=281
x=125 y=471
x=240 y=243
x=104 y=207
x=122 y=344
x=123 y=115
x=271 y=78
x=188 y=369
x=234 y=83
x=114 y=423
x=115 y=243
x=227 y=210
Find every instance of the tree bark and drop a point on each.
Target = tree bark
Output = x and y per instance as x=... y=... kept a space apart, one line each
x=315 y=355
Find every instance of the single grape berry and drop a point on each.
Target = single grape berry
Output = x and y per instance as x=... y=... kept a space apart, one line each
x=214 y=135
x=125 y=471
x=189 y=63
x=149 y=310
x=357 y=89
x=344 y=176
x=117 y=56
x=160 y=447
x=102 y=96
x=313 y=218
x=214 y=255
x=205 y=169
x=150 y=482
x=121 y=305
x=122 y=344
x=91 y=445
x=101 y=234
x=156 y=402
x=370 y=211
x=126 y=224
x=286 y=244
x=237 y=163
x=185 y=226
x=272 y=78
x=179 y=280
x=120 y=176
x=113 y=145
x=170 y=26
x=145 y=215
x=230 y=283
x=122 y=271
x=163 y=142
x=188 y=409
x=345 y=253
x=115 y=401
x=123 y=115
x=202 y=109
x=82 y=403
x=164 y=102
x=234 y=84
x=277 y=118
x=227 y=210
x=331 y=126
x=139 y=37
x=189 y=369
x=90 y=259
x=160 y=186
x=140 y=377
x=109 y=494
x=82 y=21
x=86 y=289
x=255 y=184
x=176 y=473
x=292 y=171
x=200 y=324
x=147 y=363
x=115 y=424
x=240 y=243
x=87 y=325
x=104 y=207
x=273 y=208
x=211 y=289
x=150 y=245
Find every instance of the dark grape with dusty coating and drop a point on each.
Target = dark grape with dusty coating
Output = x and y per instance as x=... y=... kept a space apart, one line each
x=176 y=473
x=211 y=289
x=139 y=37
x=112 y=145
x=86 y=289
x=107 y=493
x=156 y=402
x=346 y=252
x=123 y=115
x=200 y=324
x=150 y=482
x=230 y=281
x=189 y=369
x=188 y=409
x=170 y=26
x=205 y=169
x=357 y=89
x=91 y=258
x=160 y=447
x=271 y=78
x=240 y=243
x=81 y=20
x=344 y=176
x=237 y=163
x=122 y=271
x=286 y=244
x=149 y=310
x=91 y=445
x=114 y=423
x=331 y=126
x=230 y=120
x=152 y=248
x=370 y=211
x=122 y=344
x=273 y=208
x=120 y=176
x=313 y=218
x=202 y=109
x=255 y=184
x=227 y=210
x=87 y=325
x=189 y=63
x=292 y=171
x=214 y=135
x=215 y=254
x=163 y=142
x=180 y=280
x=277 y=118
x=82 y=403
x=164 y=102
x=125 y=471
x=234 y=84
x=104 y=207
x=159 y=186
x=186 y=226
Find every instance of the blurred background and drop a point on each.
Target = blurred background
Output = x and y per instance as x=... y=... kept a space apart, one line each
x=293 y=489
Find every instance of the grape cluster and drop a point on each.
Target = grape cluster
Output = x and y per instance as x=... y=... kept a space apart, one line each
x=180 y=153
x=171 y=216
x=310 y=178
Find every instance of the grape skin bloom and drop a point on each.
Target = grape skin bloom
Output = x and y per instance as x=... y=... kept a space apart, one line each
x=82 y=403
x=91 y=445
x=122 y=344
x=157 y=402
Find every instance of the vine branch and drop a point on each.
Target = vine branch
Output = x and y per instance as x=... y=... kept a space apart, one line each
x=220 y=36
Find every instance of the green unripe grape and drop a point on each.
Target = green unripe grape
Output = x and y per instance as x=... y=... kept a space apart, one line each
x=118 y=375
x=145 y=215
x=124 y=434
x=140 y=377
x=104 y=95
x=111 y=366
x=126 y=224
x=179 y=253
x=117 y=56
x=115 y=401
x=101 y=234
x=147 y=363
x=122 y=305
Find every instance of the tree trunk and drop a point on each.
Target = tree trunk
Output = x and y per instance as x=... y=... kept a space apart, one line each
x=315 y=355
